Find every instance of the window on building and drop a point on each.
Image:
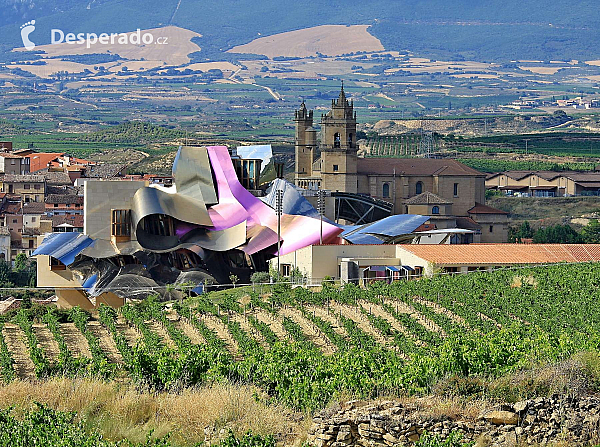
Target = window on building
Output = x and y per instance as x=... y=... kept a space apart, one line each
x=456 y=190
x=159 y=225
x=121 y=223
x=12 y=162
x=27 y=186
x=419 y=188
x=37 y=186
x=14 y=221
x=435 y=210
x=350 y=140
x=386 y=190
x=286 y=269
x=56 y=205
x=336 y=168
x=33 y=219
x=491 y=228
x=336 y=140
x=55 y=264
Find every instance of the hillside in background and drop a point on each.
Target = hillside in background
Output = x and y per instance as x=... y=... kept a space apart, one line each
x=492 y=30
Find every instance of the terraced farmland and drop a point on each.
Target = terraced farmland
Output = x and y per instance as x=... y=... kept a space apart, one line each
x=303 y=347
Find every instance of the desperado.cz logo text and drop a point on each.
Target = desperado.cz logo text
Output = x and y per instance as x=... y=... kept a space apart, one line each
x=133 y=38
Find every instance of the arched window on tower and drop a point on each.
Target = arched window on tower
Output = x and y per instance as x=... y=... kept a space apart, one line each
x=386 y=190
x=350 y=140
x=336 y=140
x=435 y=210
x=419 y=188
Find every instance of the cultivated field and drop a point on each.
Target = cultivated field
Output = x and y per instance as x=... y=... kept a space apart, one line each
x=330 y=40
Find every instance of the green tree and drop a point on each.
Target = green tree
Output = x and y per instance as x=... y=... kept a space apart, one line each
x=591 y=232
x=517 y=234
x=5 y=274
x=557 y=234
x=21 y=263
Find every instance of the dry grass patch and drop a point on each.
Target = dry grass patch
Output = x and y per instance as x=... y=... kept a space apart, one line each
x=123 y=412
x=330 y=40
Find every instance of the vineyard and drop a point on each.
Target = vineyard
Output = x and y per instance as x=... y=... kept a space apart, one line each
x=403 y=145
x=303 y=348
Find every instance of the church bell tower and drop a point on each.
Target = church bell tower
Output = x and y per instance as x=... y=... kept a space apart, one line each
x=338 y=146
x=305 y=142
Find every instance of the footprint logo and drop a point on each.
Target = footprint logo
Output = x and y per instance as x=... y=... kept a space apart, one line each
x=26 y=30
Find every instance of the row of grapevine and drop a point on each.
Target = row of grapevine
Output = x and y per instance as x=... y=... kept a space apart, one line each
x=36 y=352
x=101 y=365
x=67 y=362
x=7 y=370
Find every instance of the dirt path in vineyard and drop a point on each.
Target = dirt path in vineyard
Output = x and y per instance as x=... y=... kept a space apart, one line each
x=47 y=341
x=354 y=314
x=16 y=344
x=310 y=330
x=105 y=341
x=184 y=325
x=217 y=325
x=75 y=340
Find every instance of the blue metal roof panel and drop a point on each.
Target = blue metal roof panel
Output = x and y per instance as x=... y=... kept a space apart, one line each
x=392 y=226
x=64 y=246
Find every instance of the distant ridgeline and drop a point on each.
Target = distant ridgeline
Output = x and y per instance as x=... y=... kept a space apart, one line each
x=492 y=30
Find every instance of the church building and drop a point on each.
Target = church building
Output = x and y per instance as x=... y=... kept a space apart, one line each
x=452 y=193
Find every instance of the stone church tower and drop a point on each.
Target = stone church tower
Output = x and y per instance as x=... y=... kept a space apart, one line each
x=336 y=170
x=306 y=143
x=338 y=146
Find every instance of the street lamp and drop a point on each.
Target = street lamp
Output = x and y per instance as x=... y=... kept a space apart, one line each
x=278 y=210
x=321 y=210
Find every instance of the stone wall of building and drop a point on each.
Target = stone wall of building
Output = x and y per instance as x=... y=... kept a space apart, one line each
x=575 y=421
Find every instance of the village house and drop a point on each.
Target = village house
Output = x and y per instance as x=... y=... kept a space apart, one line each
x=545 y=183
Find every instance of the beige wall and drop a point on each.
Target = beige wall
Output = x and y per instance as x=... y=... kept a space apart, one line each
x=31 y=194
x=564 y=184
x=470 y=190
x=345 y=178
x=32 y=220
x=53 y=278
x=427 y=209
x=100 y=198
x=306 y=142
x=318 y=261
x=498 y=223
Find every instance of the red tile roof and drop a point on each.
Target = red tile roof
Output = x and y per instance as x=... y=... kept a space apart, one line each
x=41 y=160
x=75 y=220
x=504 y=254
x=427 y=198
x=415 y=166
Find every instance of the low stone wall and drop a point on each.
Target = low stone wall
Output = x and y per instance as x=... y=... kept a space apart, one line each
x=389 y=423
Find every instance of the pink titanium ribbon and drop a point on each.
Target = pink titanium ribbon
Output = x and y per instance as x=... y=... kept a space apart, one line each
x=239 y=205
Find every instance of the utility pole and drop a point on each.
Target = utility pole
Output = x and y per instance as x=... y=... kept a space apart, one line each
x=526 y=146
x=278 y=210
x=321 y=209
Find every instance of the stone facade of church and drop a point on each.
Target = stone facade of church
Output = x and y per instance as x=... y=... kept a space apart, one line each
x=395 y=180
